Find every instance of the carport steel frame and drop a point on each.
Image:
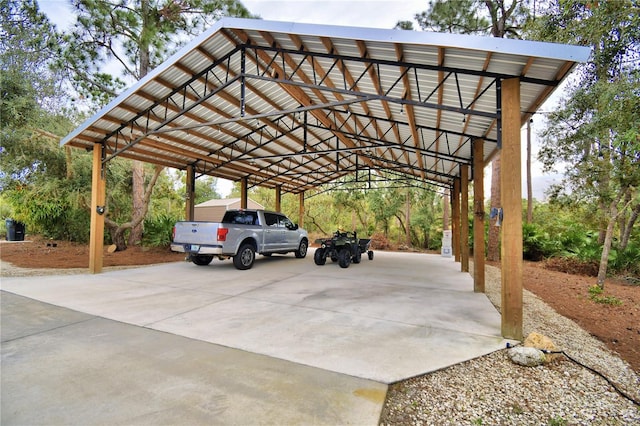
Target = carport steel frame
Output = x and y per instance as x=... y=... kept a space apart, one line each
x=333 y=123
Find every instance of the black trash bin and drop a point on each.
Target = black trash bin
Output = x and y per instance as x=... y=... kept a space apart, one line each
x=15 y=230
x=20 y=231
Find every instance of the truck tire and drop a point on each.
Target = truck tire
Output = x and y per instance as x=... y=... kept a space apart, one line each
x=244 y=258
x=344 y=258
x=319 y=258
x=201 y=259
x=302 y=249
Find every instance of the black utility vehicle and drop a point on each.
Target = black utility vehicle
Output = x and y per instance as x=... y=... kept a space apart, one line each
x=343 y=247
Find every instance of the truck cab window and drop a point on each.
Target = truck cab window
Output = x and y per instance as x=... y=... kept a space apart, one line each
x=271 y=219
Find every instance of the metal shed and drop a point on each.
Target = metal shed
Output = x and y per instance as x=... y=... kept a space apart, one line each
x=293 y=106
x=213 y=210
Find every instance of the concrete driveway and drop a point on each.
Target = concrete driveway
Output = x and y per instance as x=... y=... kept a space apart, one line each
x=285 y=342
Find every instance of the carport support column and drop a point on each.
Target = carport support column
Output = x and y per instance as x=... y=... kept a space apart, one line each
x=478 y=216
x=98 y=191
x=244 y=192
x=189 y=211
x=301 y=210
x=464 y=218
x=278 y=198
x=510 y=183
x=455 y=219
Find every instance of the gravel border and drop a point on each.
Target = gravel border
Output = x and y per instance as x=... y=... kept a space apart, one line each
x=492 y=390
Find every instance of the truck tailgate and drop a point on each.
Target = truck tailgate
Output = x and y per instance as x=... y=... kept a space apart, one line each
x=196 y=233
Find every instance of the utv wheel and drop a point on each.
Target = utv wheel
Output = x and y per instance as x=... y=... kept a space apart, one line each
x=357 y=257
x=319 y=258
x=344 y=258
x=245 y=257
x=302 y=249
x=370 y=254
x=202 y=259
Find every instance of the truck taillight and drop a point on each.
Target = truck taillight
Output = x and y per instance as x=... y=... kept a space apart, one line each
x=173 y=234
x=222 y=234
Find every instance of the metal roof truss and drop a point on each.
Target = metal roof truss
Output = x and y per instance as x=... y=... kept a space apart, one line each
x=296 y=106
x=330 y=119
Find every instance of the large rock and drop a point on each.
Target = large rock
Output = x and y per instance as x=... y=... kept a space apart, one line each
x=539 y=341
x=527 y=356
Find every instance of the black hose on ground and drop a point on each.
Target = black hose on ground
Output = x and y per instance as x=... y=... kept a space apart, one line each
x=596 y=372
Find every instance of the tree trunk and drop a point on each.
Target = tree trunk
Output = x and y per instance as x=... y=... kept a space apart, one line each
x=602 y=224
x=493 y=244
x=529 y=184
x=313 y=220
x=136 y=219
x=138 y=208
x=118 y=239
x=403 y=228
x=608 y=238
x=408 y=219
x=68 y=161
x=624 y=240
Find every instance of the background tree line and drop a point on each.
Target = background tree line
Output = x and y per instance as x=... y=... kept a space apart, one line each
x=51 y=80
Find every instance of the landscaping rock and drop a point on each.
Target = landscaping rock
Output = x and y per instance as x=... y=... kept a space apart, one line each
x=539 y=341
x=527 y=356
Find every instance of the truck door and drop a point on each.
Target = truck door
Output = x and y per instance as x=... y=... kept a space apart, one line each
x=273 y=233
x=291 y=233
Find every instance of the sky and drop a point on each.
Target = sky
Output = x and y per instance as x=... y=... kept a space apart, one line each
x=356 y=13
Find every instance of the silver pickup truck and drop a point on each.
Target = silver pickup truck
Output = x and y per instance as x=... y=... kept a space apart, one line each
x=240 y=235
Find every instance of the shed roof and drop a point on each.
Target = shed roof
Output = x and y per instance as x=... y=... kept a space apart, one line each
x=299 y=105
x=225 y=202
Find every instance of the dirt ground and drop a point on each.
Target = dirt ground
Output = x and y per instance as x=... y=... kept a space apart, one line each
x=617 y=326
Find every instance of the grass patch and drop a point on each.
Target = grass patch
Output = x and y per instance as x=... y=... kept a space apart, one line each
x=596 y=295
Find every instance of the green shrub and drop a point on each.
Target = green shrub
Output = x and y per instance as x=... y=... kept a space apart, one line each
x=158 y=230
x=533 y=242
x=626 y=261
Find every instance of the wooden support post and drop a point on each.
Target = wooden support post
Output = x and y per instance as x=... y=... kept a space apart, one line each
x=98 y=192
x=455 y=220
x=478 y=216
x=511 y=190
x=244 y=193
x=464 y=218
x=278 y=198
x=189 y=211
x=301 y=211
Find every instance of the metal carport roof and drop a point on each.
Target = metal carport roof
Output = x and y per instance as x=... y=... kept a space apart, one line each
x=299 y=105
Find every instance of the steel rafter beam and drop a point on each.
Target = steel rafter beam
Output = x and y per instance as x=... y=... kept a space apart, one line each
x=406 y=65
x=372 y=96
x=381 y=143
x=262 y=57
x=150 y=114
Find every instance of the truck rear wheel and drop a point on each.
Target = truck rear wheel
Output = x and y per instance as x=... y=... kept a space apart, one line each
x=201 y=259
x=302 y=249
x=244 y=258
